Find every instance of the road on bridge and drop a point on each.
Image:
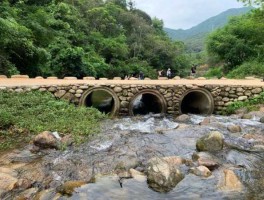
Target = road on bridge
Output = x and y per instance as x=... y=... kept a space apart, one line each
x=12 y=82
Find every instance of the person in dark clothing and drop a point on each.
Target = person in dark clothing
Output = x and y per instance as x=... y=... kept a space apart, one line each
x=193 y=70
x=141 y=75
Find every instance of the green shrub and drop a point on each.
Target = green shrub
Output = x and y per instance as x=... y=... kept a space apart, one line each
x=251 y=68
x=214 y=72
x=6 y=119
x=36 y=112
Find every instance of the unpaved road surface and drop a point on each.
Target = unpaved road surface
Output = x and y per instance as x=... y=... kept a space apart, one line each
x=12 y=82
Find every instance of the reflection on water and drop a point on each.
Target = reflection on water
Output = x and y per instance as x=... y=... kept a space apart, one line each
x=109 y=188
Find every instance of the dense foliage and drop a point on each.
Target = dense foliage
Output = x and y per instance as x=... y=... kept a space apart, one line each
x=240 y=45
x=26 y=114
x=84 y=37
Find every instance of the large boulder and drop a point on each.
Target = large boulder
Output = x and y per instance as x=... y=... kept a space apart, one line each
x=230 y=181
x=162 y=176
x=213 y=141
x=7 y=182
x=46 y=140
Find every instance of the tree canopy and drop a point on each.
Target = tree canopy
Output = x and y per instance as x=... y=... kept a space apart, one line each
x=240 y=43
x=84 y=38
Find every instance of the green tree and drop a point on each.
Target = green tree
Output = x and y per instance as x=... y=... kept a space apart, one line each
x=238 y=42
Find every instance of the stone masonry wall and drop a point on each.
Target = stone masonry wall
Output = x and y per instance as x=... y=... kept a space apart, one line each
x=222 y=95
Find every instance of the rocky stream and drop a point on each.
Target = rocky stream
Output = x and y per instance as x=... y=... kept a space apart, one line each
x=146 y=157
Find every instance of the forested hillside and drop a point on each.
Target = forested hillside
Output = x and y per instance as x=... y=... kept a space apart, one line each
x=84 y=38
x=194 y=38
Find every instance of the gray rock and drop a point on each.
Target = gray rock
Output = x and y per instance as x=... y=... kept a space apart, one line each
x=201 y=171
x=246 y=116
x=46 y=140
x=242 y=98
x=234 y=128
x=211 y=142
x=256 y=91
x=183 y=118
x=206 y=159
x=60 y=93
x=117 y=89
x=262 y=120
x=161 y=176
x=19 y=90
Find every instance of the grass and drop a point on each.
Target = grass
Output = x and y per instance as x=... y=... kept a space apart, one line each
x=250 y=104
x=23 y=115
x=214 y=72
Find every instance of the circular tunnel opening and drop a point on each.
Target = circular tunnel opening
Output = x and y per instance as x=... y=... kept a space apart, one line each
x=197 y=102
x=102 y=99
x=147 y=102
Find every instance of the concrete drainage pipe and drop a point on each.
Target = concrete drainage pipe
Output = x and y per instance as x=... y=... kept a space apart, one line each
x=146 y=102
x=102 y=98
x=197 y=101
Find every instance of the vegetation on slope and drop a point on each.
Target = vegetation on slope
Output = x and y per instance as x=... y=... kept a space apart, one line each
x=194 y=38
x=101 y=38
x=239 y=46
x=25 y=114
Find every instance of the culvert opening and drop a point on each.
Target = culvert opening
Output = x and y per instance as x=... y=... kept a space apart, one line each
x=147 y=103
x=102 y=99
x=197 y=102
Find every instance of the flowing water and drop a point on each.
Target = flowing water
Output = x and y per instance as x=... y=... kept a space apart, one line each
x=130 y=142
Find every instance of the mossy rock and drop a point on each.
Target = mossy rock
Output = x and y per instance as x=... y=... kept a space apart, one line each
x=211 y=142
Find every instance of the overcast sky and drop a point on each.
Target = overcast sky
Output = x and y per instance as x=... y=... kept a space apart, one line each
x=185 y=13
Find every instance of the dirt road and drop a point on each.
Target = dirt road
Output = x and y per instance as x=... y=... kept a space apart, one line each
x=11 y=82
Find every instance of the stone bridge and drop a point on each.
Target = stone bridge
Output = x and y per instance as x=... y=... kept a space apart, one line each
x=132 y=97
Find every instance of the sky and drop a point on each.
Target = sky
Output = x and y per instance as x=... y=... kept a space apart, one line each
x=185 y=14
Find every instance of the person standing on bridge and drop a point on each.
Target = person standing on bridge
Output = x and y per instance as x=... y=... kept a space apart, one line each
x=169 y=73
x=141 y=75
x=193 y=70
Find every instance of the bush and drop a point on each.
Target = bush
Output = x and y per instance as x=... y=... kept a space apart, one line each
x=214 y=72
x=251 y=68
x=6 y=119
x=36 y=112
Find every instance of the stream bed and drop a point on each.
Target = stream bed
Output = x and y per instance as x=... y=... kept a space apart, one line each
x=129 y=143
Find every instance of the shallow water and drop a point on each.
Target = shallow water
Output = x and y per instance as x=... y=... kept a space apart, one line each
x=131 y=142
x=142 y=137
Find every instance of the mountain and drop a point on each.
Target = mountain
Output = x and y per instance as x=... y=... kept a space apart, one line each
x=194 y=37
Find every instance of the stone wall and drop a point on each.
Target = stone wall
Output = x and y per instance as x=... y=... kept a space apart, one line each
x=222 y=95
